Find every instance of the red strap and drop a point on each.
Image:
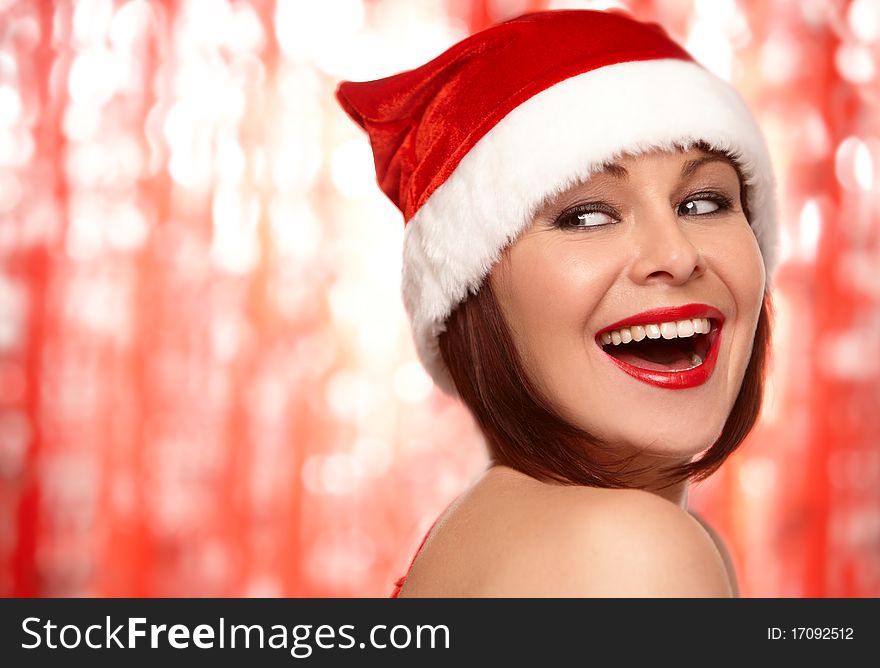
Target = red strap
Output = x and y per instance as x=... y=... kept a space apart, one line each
x=398 y=585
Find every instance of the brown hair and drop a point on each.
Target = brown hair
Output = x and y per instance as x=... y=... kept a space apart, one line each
x=524 y=432
x=522 y=429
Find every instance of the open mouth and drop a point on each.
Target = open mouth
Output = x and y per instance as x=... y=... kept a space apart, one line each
x=668 y=346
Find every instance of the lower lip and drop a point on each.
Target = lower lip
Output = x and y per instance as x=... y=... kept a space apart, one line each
x=677 y=380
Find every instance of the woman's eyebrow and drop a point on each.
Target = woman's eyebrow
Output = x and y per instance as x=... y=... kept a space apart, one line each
x=691 y=165
x=618 y=171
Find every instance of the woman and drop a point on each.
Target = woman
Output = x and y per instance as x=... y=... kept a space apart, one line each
x=590 y=231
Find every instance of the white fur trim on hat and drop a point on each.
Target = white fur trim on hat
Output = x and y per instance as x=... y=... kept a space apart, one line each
x=547 y=144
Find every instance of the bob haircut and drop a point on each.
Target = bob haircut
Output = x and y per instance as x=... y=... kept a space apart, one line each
x=524 y=431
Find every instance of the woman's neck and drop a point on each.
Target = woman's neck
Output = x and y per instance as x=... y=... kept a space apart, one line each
x=677 y=493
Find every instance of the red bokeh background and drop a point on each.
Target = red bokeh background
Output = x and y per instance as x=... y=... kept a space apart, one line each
x=207 y=385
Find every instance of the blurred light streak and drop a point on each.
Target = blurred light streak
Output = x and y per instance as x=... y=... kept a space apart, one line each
x=353 y=170
x=11 y=192
x=758 y=476
x=13 y=311
x=235 y=247
x=779 y=58
x=305 y=30
x=855 y=163
x=412 y=385
x=94 y=77
x=855 y=63
x=10 y=106
x=863 y=17
x=810 y=230
x=708 y=39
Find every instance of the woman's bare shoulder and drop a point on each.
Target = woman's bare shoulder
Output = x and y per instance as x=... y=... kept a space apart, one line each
x=511 y=536
x=722 y=550
x=632 y=543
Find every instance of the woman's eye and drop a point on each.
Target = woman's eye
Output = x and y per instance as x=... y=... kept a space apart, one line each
x=701 y=206
x=588 y=216
x=582 y=219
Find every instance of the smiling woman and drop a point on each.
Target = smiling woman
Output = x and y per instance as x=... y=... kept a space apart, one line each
x=590 y=233
x=654 y=253
x=671 y=276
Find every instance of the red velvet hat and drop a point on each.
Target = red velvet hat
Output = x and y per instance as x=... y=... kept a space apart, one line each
x=471 y=143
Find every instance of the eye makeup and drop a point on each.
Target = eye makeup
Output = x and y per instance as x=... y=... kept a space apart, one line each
x=580 y=216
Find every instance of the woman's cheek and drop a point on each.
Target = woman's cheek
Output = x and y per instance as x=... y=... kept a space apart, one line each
x=741 y=253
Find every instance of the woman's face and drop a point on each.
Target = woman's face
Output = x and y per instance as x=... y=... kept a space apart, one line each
x=642 y=255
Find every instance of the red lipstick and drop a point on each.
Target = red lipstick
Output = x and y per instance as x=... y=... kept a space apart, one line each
x=667 y=314
x=673 y=380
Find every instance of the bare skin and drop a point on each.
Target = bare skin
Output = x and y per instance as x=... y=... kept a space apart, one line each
x=661 y=238
x=657 y=237
x=509 y=535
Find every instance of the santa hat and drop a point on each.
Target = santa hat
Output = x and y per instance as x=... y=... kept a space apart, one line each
x=470 y=144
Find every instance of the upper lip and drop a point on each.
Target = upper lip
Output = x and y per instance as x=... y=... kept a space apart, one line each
x=667 y=314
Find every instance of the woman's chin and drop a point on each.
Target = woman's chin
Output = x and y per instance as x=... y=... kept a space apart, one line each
x=662 y=447
x=675 y=447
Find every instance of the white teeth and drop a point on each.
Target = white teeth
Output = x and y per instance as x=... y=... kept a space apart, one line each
x=696 y=359
x=668 y=330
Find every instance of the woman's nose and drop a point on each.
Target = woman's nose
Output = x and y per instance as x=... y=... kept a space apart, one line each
x=664 y=251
